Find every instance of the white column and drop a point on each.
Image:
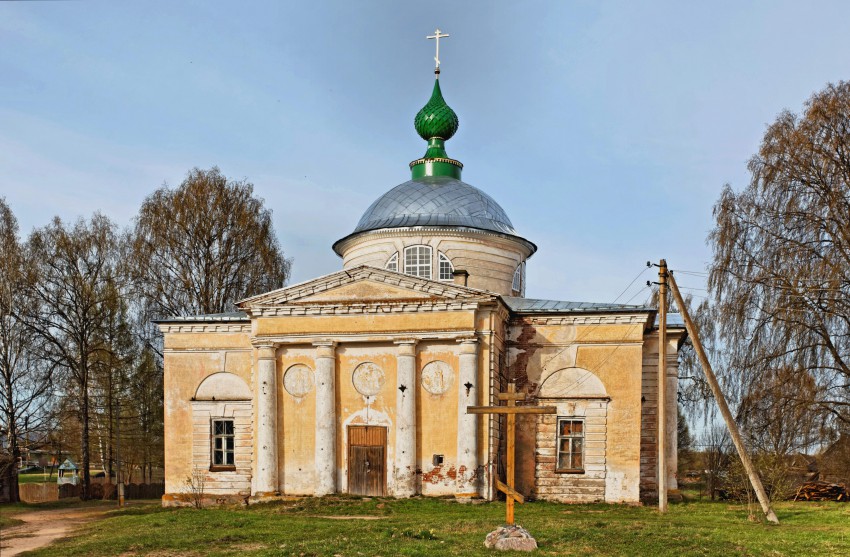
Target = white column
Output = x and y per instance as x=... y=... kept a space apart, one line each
x=266 y=483
x=672 y=445
x=404 y=471
x=467 y=424
x=325 y=482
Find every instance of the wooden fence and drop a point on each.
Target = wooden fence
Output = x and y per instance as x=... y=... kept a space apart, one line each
x=41 y=492
x=38 y=492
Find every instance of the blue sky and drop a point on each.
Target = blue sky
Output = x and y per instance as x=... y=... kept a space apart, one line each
x=605 y=130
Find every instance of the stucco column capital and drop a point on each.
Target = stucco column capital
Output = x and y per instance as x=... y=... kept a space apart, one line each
x=325 y=348
x=468 y=345
x=406 y=347
x=266 y=350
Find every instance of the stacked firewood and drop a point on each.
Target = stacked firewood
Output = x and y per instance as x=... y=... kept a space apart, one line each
x=822 y=491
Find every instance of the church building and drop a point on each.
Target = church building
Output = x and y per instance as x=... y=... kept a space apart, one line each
x=358 y=382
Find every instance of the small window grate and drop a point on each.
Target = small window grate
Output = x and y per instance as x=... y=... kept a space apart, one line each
x=223 y=443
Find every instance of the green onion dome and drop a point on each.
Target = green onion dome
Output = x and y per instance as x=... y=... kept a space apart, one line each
x=436 y=119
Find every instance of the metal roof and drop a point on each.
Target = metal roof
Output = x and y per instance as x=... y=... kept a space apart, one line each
x=674 y=320
x=531 y=305
x=436 y=201
x=205 y=318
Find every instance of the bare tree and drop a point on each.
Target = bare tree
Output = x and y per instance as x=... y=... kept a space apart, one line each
x=77 y=277
x=204 y=245
x=716 y=451
x=24 y=379
x=780 y=276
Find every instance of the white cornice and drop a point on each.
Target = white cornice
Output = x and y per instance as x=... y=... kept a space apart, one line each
x=579 y=319
x=379 y=308
x=384 y=337
x=168 y=328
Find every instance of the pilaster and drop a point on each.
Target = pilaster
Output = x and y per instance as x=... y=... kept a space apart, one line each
x=404 y=470
x=467 y=424
x=325 y=418
x=266 y=483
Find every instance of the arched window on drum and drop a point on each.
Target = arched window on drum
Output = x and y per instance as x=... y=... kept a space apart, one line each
x=392 y=263
x=446 y=268
x=417 y=261
x=518 y=285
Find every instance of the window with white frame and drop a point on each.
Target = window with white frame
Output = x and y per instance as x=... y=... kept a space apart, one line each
x=570 y=447
x=446 y=268
x=223 y=444
x=417 y=261
x=392 y=263
x=518 y=285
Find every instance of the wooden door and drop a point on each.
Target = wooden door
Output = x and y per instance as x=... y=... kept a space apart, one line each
x=367 y=460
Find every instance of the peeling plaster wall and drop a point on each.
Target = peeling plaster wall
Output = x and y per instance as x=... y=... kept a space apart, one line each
x=190 y=358
x=296 y=425
x=437 y=423
x=649 y=415
x=197 y=350
x=537 y=347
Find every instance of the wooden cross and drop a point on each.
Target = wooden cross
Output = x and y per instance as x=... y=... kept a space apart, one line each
x=511 y=410
x=437 y=35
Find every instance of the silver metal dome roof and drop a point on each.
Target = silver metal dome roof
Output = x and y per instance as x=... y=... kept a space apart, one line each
x=436 y=201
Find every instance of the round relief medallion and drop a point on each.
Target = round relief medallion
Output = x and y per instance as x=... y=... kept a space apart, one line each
x=298 y=380
x=437 y=377
x=368 y=379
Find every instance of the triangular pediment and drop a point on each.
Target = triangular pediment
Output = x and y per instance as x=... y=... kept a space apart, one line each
x=363 y=285
x=364 y=291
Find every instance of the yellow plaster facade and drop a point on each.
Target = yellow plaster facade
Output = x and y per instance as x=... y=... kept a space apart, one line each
x=403 y=357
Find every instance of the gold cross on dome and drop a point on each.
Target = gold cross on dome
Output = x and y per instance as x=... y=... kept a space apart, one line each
x=437 y=35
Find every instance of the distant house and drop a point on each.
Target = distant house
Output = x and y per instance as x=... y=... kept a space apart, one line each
x=835 y=461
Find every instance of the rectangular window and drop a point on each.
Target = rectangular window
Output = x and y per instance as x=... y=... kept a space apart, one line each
x=417 y=261
x=223 y=441
x=570 y=446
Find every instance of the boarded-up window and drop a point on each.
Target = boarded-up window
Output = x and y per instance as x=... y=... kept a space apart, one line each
x=570 y=447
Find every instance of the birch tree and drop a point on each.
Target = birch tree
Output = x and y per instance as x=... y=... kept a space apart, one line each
x=780 y=275
x=25 y=380
x=77 y=268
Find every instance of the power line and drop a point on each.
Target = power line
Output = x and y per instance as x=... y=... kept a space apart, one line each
x=630 y=284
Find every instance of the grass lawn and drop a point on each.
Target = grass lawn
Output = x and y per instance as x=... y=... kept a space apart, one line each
x=442 y=527
x=36 y=477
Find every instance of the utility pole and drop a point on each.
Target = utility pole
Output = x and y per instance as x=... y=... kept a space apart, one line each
x=724 y=407
x=662 y=386
x=119 y=478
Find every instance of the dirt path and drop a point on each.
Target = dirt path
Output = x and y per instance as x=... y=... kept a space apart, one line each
x=43 y=527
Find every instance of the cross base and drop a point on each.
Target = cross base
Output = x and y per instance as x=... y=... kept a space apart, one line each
x=510 y=538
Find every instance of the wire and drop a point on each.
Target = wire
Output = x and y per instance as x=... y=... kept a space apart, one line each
x=630 y=284
x=636 y=295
